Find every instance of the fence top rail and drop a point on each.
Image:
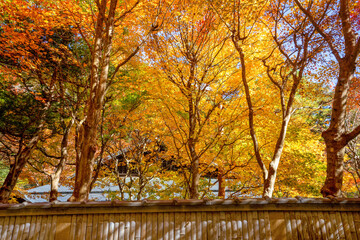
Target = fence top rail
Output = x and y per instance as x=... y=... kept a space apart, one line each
x=180 y=205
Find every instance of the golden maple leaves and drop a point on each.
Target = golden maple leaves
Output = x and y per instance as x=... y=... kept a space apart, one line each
x=191 y=54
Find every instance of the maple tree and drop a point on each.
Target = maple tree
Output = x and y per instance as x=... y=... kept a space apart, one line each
x=50 y=158
x=198 y=102
x=133 y=153
x=298 y=47
x=108 y=16
x=34 y=69
x=172 y=98
x=344 y=45
x=241 y=20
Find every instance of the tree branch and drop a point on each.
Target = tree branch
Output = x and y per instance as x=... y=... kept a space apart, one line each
x=43 y=151
x=351 y=135
x=319 y=30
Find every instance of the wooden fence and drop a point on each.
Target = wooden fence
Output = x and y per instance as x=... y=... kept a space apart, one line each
x=184 y=219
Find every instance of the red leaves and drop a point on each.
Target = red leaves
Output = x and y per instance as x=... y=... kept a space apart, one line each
x=27 y=30
x=354 y=94
x=355 y=16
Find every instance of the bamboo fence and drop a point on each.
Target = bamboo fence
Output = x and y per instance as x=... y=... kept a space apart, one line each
x=184 y=219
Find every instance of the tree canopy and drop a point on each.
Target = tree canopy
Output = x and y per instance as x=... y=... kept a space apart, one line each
x=181 y=98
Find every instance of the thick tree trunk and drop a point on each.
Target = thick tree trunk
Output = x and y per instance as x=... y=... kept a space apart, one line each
x=11 y=179
x=99 y=75
x=335 y=136
x=84 y=167
x=195 y=177
x=335 y=151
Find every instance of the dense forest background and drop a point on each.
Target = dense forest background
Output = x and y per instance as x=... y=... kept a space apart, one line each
x=166 y=98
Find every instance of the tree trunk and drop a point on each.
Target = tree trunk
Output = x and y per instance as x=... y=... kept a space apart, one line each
x=20 y=161
x=195 y=177
x=250 y=107
x=54 y=186
x=102 y=150
x=335 y=151
x=194 y=168
x=98 y=82
x=84 y=167
x=221 y=193
x=194 y=159
x=269 y=183
x=55 y=177
x=22 y=157
x=335 y=136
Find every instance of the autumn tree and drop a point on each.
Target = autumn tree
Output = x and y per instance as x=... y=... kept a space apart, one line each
x=197 y=96
x=32 y=59
x=333 y=22
x=129 y=156
x=297 y=45
x=50 y=158
x=110 y=16
x=19 y=125
x=289 y=51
